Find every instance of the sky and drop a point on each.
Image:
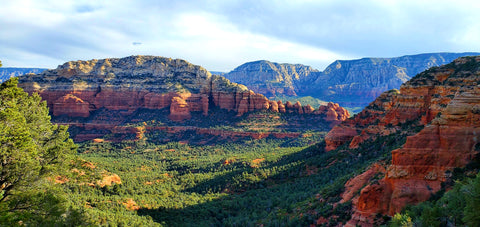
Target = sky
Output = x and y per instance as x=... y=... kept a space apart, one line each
x=221 y=35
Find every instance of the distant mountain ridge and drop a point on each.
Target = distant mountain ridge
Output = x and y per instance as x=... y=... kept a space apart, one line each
x=269 y=78
x=8 y=72
x=348 y=82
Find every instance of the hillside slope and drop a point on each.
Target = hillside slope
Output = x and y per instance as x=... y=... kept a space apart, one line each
x=444 y=101
x=360 y=81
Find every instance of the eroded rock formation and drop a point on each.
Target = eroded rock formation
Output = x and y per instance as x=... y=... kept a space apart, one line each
x=128 y=84
x=179 y=109
x=71 y=105
x=446 y=101
x=78 y=89
x=417 y=102
x=333 y=113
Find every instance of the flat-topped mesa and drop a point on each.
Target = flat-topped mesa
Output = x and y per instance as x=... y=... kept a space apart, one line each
x=446 y=101
x=77 y=88
x=120 y=84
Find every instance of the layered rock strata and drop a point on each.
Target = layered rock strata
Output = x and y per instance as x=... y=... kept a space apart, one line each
x=417 y=102
x=77 y=89
x=425 y=161
x=446 y=101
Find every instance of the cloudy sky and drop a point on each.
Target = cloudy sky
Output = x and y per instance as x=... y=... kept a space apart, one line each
x=223 y=34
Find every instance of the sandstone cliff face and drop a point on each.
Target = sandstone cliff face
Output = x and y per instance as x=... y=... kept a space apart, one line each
x=417 y=102
x=71 y=105
x=179 y=110
x=78 y=89
x=446 y=100
x=135 y=82
x=75 y=88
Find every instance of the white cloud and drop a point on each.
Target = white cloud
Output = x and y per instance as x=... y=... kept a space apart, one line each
x=221 y=35
x=203 y=39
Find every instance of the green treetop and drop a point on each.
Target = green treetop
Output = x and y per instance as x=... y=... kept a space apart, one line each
x=32 y=149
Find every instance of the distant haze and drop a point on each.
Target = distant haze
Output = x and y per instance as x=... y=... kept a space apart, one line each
x=6 y=73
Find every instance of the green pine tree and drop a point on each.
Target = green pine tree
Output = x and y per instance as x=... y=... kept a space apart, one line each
x=32 y=152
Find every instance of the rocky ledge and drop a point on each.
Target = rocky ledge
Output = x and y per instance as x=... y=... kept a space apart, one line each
x=77 y=89
x=445 y=101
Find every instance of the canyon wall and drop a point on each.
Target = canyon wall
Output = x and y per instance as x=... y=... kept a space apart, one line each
x=445 y=101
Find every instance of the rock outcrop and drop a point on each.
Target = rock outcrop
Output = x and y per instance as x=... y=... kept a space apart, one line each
x=417 y=102
x=138 y=82
x=71 y=105
x=80 y=89
x=446 y=101
x=179 y=110
x=332 y=111
x=77 y=87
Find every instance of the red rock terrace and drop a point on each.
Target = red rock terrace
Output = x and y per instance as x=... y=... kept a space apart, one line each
x=78 y=90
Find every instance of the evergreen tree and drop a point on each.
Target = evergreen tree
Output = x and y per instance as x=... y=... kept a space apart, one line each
x=32 y=152
x=472 y=208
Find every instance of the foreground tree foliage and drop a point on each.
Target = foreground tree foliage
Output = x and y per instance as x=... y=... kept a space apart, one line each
x=459 y=206
x=32 y=151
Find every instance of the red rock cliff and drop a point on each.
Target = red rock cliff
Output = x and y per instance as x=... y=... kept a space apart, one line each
x=417 y=102
x=76 y=88
x=82 y=89
x=446 y=100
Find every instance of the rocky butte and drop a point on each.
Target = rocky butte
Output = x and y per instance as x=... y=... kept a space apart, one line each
x=445 y=101
x=80 y=90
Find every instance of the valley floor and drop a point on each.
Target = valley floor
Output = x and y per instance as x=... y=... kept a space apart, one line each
x=267 y=182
